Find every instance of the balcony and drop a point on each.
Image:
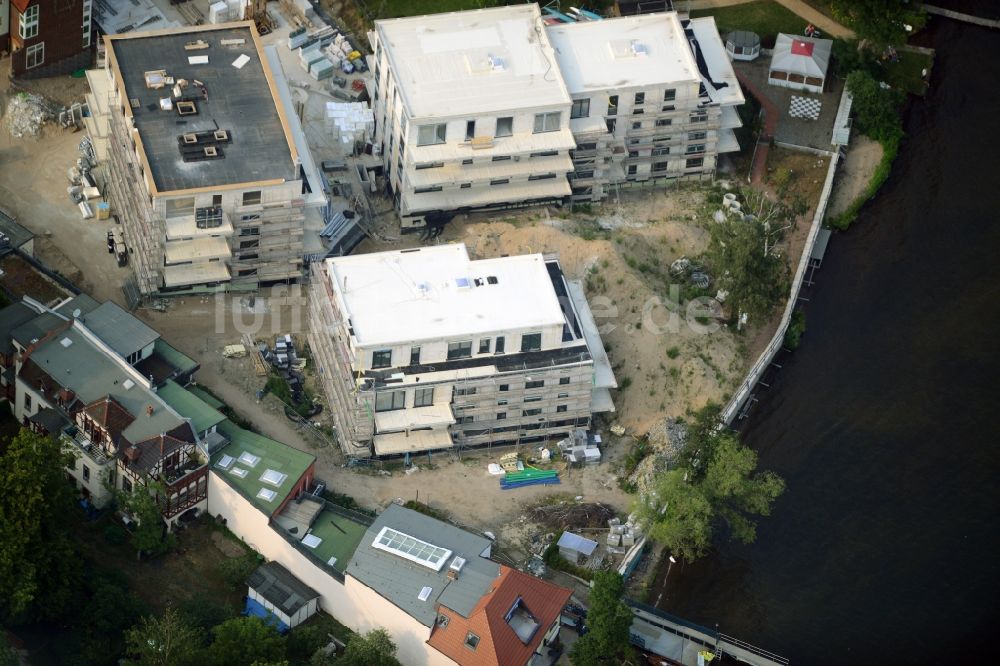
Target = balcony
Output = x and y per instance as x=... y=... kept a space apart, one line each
x=181 y=475
x=81 y=441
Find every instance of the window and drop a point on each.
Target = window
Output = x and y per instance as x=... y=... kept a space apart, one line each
x=583 y=175
x=423 y=397
x=28 y=25
x=505 y=126
x=484 y=346
x=562 y=396
x=390 y=400
x=467 y=161
x=560 y=408
x=533 y=398
x=542 y=176
x=381 y=358
x=538 y=383
x=640 y=98
x=663 y=122
x=638 y=112
x=668 y=108
x=428 y=135
x=425 y=190
x=531 y=342
x=465 y=186
x=694 y=163
x=457 y=350
x=660 y=150
x=500 y=181
x=660 y=167
x=563 y=381
x=633 y=169
x=580 y=109
x=251 y=198
x=505 y=387
x=501 y=403
x=470 y=130
x=471 y=640
x=414 y=355
x=531 y=412
x=463 y=419
x=501 y=416
x=547 y=122
x=86 y=473
x=699 y=117
x=429 y=165
x=696 y=136
x=637 y=125
x=27 y=401
x=501 y=158
x=466 y=391
x=695 y=148
x=612 y=105
x=545 y=153
x=611 y=123
x=669 y=95
x=216 y=200
x=208 y=218
x=498 y=347
x=126 y=485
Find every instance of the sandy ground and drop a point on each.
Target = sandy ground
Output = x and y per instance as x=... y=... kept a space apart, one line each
x=854 y=173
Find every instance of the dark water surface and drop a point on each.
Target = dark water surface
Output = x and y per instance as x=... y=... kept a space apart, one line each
x=884 y=549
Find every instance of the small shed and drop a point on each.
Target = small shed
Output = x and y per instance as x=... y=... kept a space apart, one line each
x=275 y=595
x=575 y=548
x=800 y=63
x=743 y=45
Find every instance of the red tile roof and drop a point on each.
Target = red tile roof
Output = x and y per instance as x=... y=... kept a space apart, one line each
x=498 y=644
x=21 y=5
x=110 y=415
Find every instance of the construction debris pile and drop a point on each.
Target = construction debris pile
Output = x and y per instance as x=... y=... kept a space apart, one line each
x=26 y=114
x=581 y=447
x=572 y=515
x=666 y=439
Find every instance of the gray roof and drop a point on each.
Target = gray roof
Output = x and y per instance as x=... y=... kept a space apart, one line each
x=92 y=375
x=239 y=101
x=35 y=329
x=119 y=329
x=400 y=581
x=578 y=543
x=12 y=317
x=82 y=302
x=277 y=584
x=50 y=419
x=17 y=234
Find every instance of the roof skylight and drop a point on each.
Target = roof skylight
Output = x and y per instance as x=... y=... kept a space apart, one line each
x=249 y=459
x=225 y=462
x=425 y=593
x=310 y=540
x=423 y=553
x=273 y=477
x=239 y=471
x=268 y=495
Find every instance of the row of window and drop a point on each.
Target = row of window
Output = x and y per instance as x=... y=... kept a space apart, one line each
x=501 y=416
x=386 y=401
x=494 y=182
x=530 y=342
x=496 y=158
x=429 y=135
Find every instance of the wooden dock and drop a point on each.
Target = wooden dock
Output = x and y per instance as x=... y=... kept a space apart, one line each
x=959 y=16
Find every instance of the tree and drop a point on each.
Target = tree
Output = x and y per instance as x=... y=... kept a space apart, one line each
x=716 y=482
x=169 y=640
x=608 y=620
x=8 y=655
x=39 y=571
x=149 y=535
x=875 y=107
x=881 y=22
x=372 y=649
x=243 y=640
x=111 y=610
x=744 y=256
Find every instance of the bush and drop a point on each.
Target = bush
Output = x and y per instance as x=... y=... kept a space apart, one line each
x=420 y=507
x=554 y=560
x=673 y=352
x=236 y=570
x=796 y=327
x=115 y=535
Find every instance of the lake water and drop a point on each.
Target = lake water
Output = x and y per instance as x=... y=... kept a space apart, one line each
x=884 y=547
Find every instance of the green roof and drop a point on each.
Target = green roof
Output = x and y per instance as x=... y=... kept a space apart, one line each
x=340 y=536
x=271 y=455
x=203 y=416
x=206 y=397
x=179 y=361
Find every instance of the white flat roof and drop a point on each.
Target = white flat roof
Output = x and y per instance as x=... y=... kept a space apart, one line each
x=720 y=67
x=411 y=295
x=442 y=62
x=643 y=50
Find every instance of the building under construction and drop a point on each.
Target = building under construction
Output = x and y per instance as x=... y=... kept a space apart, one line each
x=203 y=170
x=427 y=350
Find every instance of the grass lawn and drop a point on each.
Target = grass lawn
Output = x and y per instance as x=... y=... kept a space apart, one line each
x=766 y=18
x=906 y=73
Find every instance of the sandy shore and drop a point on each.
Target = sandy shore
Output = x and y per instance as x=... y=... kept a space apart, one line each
x=855 y=172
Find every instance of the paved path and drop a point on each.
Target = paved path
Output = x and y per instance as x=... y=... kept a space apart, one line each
x=759 y=168
x=827 y=25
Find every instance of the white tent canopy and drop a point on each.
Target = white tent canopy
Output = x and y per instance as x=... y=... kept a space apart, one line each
x=800 y=62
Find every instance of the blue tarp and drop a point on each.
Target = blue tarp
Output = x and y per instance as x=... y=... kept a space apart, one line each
x=256 y=609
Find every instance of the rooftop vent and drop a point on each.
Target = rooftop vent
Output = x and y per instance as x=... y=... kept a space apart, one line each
x=332 y=561
x=210 y=151
x=496 y=63
x=455 y=567
x=134 y=102
x=190 y=138
x=639 y=49
x=186 y=108
x=221 y=135
x=425 y=593
x=311 y=540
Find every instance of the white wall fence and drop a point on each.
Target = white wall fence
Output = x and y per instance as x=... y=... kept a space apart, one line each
x=745 y=389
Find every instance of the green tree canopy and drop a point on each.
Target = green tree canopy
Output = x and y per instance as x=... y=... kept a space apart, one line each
x=608 y=621
x=168 y=640
x=244 y=640
x=372 y=649
x=744 y=257
x=881 y=22
x=149 y=535
x=39 y=572
x=875 y=107
x=717 y=482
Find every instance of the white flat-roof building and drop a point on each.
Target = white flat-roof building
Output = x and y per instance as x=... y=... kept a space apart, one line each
x=491 y=108
x=428 y=349
x=654 y=97
x=471 y=111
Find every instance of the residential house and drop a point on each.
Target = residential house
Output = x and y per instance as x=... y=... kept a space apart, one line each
x=471 y=112
x=205 y=171
x=46 y=37
x=426 y=349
